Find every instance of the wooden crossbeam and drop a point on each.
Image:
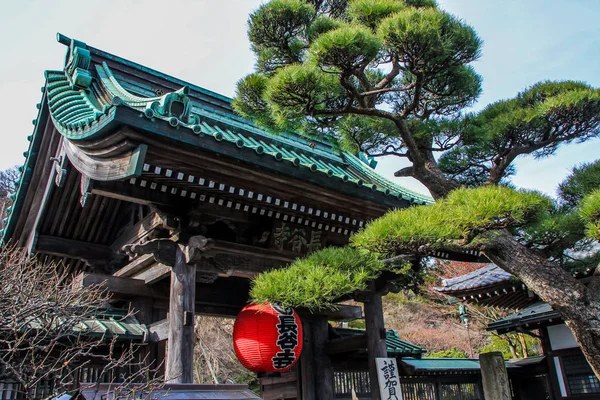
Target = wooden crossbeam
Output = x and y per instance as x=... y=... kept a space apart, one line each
x=158 y=331
x=346 y=344
x=116 y=285
x=135 y=266
x=155 y=273
x=56 y=246
x=143 y=229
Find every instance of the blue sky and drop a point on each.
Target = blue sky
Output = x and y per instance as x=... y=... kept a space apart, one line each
x=204 y=42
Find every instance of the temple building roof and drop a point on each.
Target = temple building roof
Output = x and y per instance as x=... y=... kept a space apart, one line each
x=97 y=94
x=530 y=317
x=445 y=366
x=483 y=277
x=490 y=286
x=356 y=341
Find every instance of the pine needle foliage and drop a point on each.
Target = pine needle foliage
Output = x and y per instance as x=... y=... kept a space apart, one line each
x=346 y=47
x=317 y=281
x=453 y=221
x=370 y=13
x=589 y=210
x=582 y=180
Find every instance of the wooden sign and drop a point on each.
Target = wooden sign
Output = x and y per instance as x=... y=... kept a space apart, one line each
x=296 y=238
x=388 y=379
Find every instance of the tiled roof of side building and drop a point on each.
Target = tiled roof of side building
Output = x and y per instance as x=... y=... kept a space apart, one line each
x=446 y=364
x=394 y=344
x=534 y=314
x=486 y=276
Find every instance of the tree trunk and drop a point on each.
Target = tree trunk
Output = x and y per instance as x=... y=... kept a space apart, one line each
x=524 y=349
x=424 y=168
x=512 y=348
x=577 y=305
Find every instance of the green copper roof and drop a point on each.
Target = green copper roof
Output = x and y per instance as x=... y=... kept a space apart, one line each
x=394 y=345
x=447 y=364
x=88 y=95
x=107 y=323
x=75 y=112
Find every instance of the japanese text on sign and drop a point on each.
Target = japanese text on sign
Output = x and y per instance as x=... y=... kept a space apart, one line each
x=287 y=338
x=296 y=239
x=389 y=381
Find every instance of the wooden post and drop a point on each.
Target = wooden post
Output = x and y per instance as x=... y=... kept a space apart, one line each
x=144 y=313
x=316 y=371
x=494 y=376
x=180 y=356
x=375 y=336
x=182 y=258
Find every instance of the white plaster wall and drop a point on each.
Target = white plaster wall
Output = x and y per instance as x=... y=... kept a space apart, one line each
x=561 y=337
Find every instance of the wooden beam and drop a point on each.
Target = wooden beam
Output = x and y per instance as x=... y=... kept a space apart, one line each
x=135 y=266
x=155 y=273
x=346 y=344
x=316 y=371
x=158 y=331
x=343 y=312
x=223 y=247
x=116 y=285
x=138 y=195
x=143 y=229
x=62 y=247
x=375 y=336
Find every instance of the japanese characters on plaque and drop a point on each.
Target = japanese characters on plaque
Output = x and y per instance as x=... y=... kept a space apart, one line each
x=388 y=378
x=296 y=238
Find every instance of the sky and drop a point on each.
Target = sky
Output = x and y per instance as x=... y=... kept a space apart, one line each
x=204 y=42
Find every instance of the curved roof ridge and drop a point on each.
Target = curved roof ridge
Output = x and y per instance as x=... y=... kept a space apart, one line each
x=408 y=194
x=485 y=276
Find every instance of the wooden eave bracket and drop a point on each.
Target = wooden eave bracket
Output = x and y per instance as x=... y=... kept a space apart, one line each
x=165 y=251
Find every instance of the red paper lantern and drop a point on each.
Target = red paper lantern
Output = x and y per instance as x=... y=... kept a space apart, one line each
x=267 y=337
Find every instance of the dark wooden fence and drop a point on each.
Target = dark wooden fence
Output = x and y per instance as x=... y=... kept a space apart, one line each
x=10 y=390
x=413 y=388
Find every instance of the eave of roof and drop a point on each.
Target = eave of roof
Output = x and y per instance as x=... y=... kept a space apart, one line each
x=447 y=364
x=530 y=317
x=487 y=276
x=107 y=323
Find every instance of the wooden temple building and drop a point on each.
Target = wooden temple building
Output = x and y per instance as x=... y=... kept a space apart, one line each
x=562 y=372
x=154 y=188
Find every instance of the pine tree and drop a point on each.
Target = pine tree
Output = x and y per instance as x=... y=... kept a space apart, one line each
x=392 y=77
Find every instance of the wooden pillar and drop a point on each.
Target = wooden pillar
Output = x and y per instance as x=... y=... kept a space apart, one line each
x=182 y=258
x=144 y=313
x=375 y=336
x=180 y=354
x=316 y=371
x=494 y=376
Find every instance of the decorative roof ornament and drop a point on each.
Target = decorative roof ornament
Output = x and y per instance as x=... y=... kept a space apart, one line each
x=174 y=107
x=77 y=64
